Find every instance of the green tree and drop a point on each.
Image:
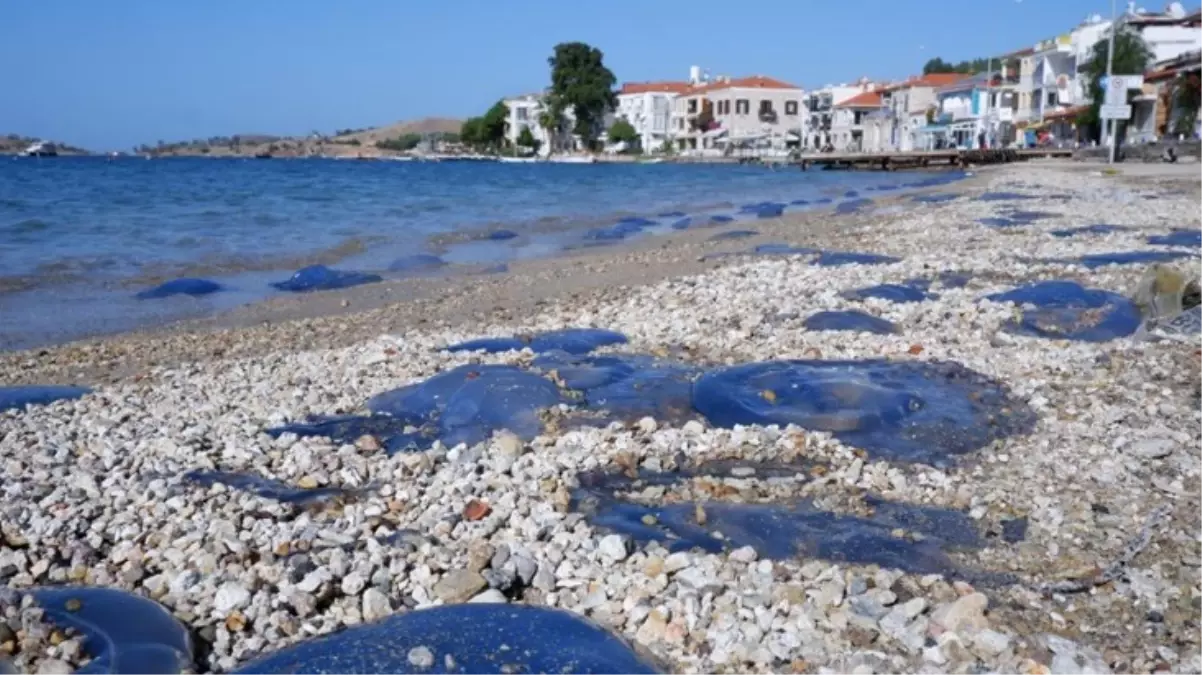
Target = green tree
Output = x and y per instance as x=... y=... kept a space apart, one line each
x=526 y=139
x=494 y=124
x=471 y=133
x=622 y=131
x=1131 y=57
x=580 y=81
x=1185 y=96
x=668 y=148
x=937 y=65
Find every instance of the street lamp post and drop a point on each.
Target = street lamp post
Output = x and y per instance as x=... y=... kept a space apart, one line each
x=1111 y=124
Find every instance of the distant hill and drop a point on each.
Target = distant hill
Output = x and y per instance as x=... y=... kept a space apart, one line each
x=15 y=144
x=343 y=143
x=427 y=125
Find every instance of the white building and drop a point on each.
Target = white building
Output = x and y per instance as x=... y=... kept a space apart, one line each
x=1051 y=86
x=757 y=113
x=648 y=106
x=526 y=111
x=820 y=125
x=913 y=108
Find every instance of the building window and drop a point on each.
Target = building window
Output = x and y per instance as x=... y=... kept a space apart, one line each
x=790 y=107
x=692 y=106
x=742 y=106
x=522 y=114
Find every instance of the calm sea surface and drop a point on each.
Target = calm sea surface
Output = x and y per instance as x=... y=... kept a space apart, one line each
x=80 y=236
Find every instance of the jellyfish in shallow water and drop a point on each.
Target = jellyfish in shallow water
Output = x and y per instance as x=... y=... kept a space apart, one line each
x=185 y=286
x=733 y=234
x=1097 y=260
x=266 y=488
x=322 y=278
x=17 y=397
x=416 y=263
x=1098 y=228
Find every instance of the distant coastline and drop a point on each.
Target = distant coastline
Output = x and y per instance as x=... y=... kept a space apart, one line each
x=15 y=144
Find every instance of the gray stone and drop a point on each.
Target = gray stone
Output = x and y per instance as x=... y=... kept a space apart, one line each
x=459 y=585
x=492 y=595
x=989 y=642
x=1152 y=448
x=613 y=547
x=544 y=579
x=353 y=583
x=525 y=568
x=375 y=605
x=963 y=615
x=231 y=596
x=1070 y=658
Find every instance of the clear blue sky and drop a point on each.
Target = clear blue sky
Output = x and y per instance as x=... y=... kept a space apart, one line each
x=112 y=74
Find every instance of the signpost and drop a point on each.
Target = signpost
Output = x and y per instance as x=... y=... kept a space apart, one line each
x=1112 y=111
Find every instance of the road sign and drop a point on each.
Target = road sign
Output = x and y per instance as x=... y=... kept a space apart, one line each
x=1117 y=86
x=1115 y=112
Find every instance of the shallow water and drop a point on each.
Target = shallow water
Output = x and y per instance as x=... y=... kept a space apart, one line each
x=80 y=237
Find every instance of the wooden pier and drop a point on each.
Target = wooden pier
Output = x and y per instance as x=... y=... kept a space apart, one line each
x=924 y=158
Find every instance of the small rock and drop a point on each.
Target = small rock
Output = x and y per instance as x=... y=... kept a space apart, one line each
x=745 y=554
x=966 y=614
x=459 y=585
x=613 y=547
x=230 y=596
x=375 y=605
x=368 y=443
x=476 y=510
x=1152 y=448
x=492 y=595
x=989 y=642
x=353 y=583
x=54 y=667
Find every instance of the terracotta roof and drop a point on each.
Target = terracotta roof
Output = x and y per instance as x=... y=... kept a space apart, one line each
x=928 y=80
x=645 y=87
x=753 y=82
x=1162 y=74
x=868 y=99
x=1067 y=113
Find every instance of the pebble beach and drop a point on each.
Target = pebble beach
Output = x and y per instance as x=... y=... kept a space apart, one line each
x=1067 y=538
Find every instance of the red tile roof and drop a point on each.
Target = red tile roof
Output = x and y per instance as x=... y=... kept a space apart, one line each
x=753 y=82
x=868 y=99
x=928 y=80
x=646 y=87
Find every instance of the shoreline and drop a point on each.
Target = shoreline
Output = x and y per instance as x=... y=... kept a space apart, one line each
x=888 y=565
x=420 y=299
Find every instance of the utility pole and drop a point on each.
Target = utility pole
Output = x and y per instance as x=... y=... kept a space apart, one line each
x=1111 y=124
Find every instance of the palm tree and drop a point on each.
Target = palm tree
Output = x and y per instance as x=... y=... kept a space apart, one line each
x=551 y=121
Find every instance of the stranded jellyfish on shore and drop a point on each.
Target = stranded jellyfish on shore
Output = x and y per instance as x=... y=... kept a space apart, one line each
x=849 y=320
x=126 y=633
x=1066 y=310
x=570 y=340
x=904 y=411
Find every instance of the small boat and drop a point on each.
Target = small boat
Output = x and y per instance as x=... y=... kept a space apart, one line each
x=41 y=149
x=572 y=159
x=655 y=160
x=262 y=155
x=517 y=160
